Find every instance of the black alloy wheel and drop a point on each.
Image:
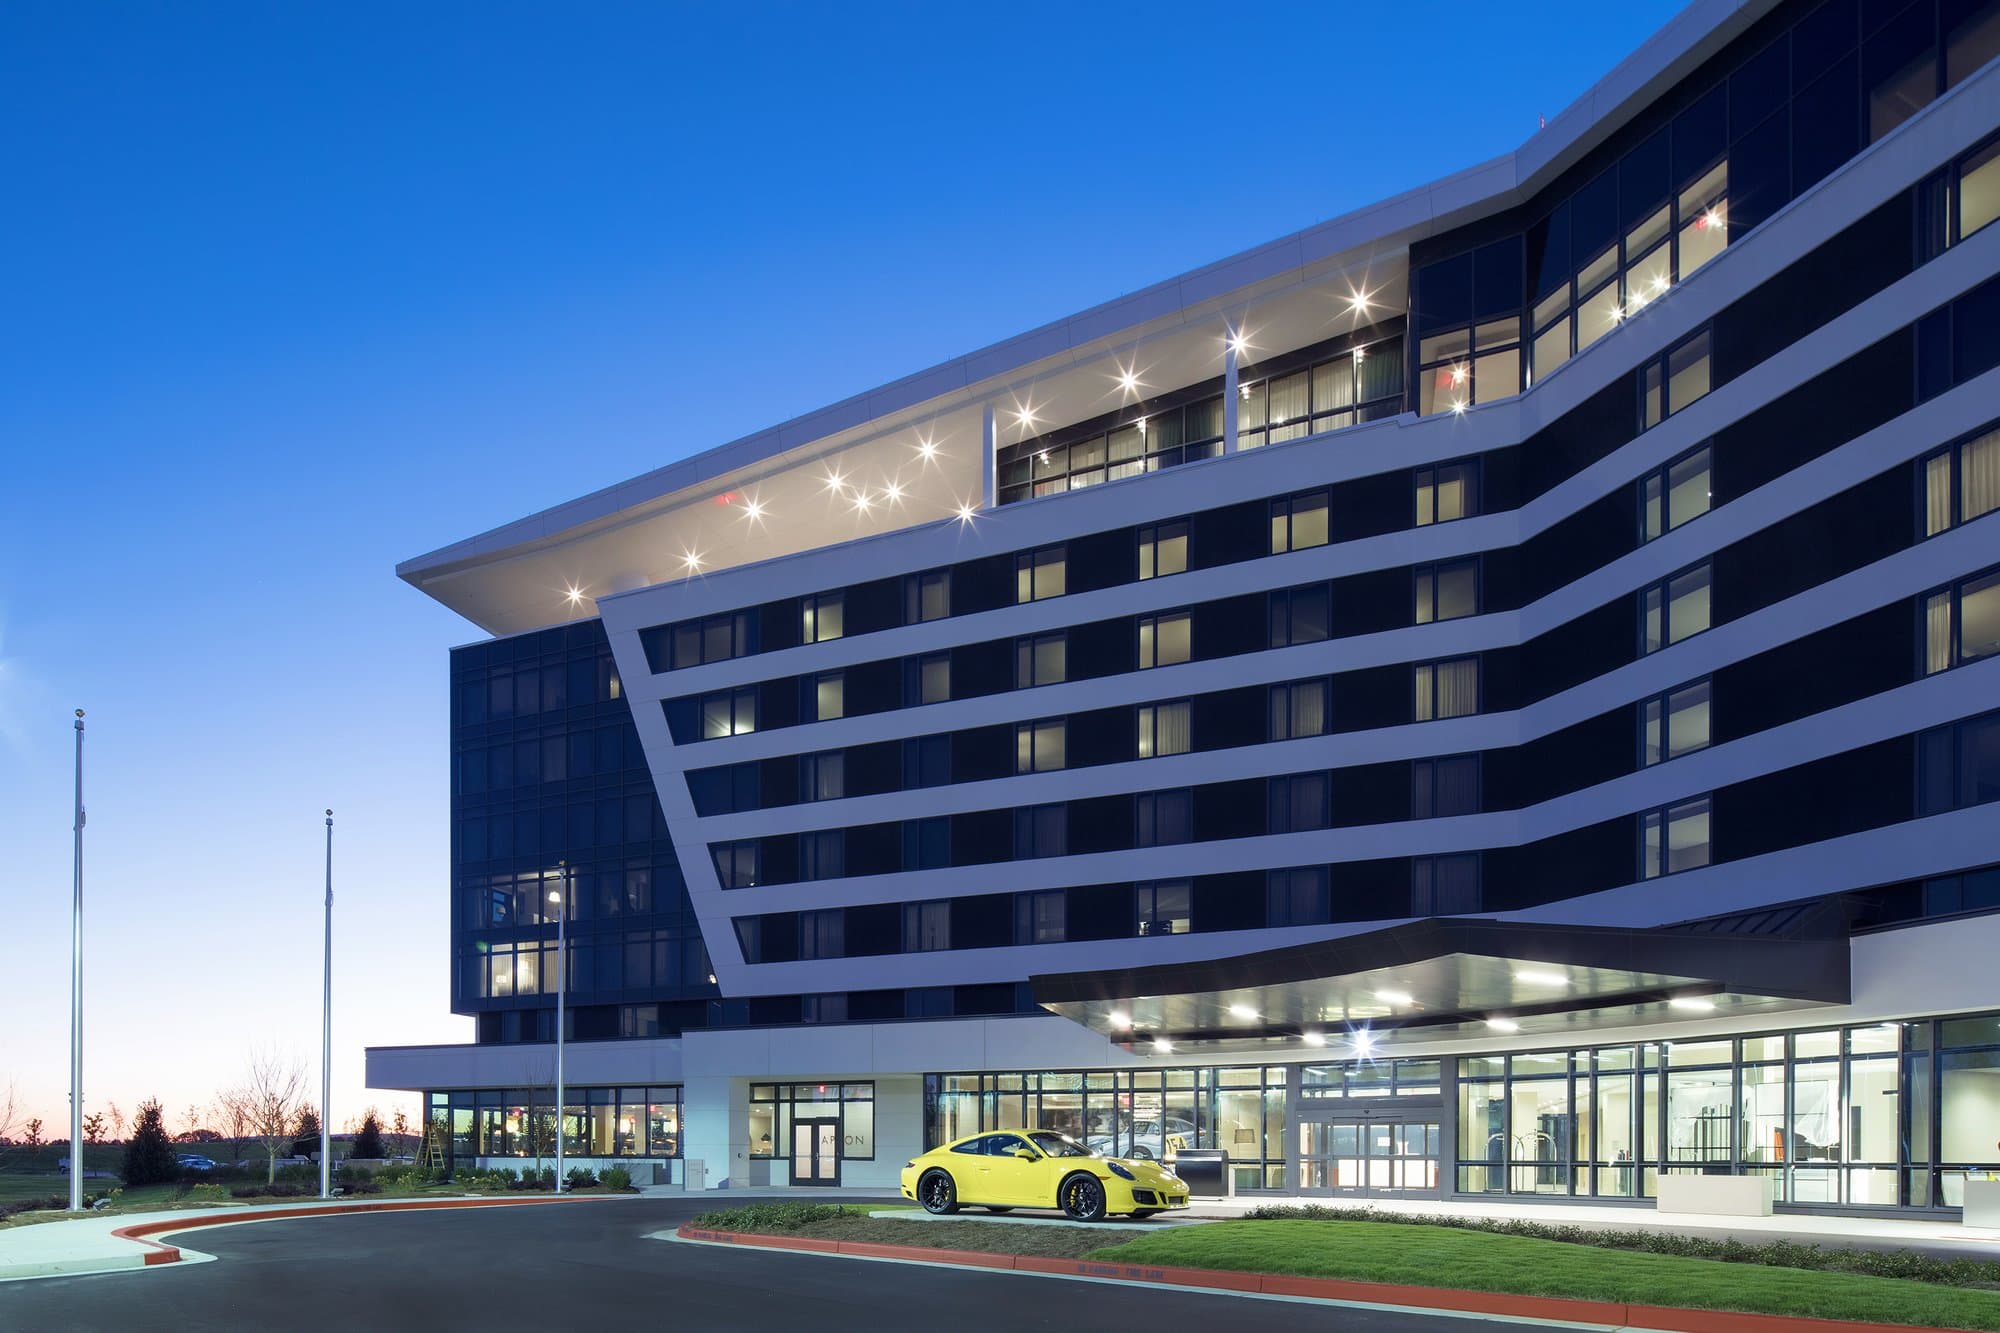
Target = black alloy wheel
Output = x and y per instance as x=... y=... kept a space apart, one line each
x=937 y=1193
x=1082 y=1198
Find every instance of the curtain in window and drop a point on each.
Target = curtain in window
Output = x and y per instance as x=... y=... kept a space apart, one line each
x=1333 y=384
x=1937 y=494
x=1173 y=729
x=1937 y=632
x=1288 y=398
x=1458 y=687
x=1308 y=709
x=1381 y=371
x=1978 y=478
x=1457 y=786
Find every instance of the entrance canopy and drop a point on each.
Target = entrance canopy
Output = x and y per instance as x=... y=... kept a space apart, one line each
x=1461 y=976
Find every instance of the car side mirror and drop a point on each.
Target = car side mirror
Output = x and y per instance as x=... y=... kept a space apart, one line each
x=1025 y=1154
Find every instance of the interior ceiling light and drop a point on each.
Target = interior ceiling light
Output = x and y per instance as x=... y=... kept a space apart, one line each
x=1242 y=1011
x=861 y=502
x=1238 y=343
x=753 y=510
x=1535 y=976
x=1358 y=303
x=1503 y=1025
x=1120 y=1020
x=1692 y=1004
x=1162 y=1045
x=1024 y=416
x=1128 y=380
x=1364 y=1042
x=1395 y=997
x=893 y=492
x=835 y=482
x=692 y=561
x=966 y=513
x=1458 y=407
x=927 y=448
x=1313 y=1038
x=574 y=594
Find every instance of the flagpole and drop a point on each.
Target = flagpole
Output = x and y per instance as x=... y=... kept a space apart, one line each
x=76 y=994
x=326 y=1034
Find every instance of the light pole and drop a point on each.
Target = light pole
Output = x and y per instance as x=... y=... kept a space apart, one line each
x=561 y=899
x=326 y=1034
x=76 y=995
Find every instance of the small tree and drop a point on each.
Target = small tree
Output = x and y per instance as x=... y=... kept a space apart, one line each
x=269 y=1101
x=306 y=1140
x=149 y=1157
x=368 y=1139
x=117 y=1123
x=191 y=1118
x=35 y=1132
x=401 y=1128
x=93 y=1127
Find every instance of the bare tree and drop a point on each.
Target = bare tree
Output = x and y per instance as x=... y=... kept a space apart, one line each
x=10 y=1118
x=402 y=1132
x=229 y=1117
x=117 y=1123
x=192 y=1117
x=269 y=1100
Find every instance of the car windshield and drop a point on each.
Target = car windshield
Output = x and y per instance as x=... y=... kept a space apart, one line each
x=1060 y=1145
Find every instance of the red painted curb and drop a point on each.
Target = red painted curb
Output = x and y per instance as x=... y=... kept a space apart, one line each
x=159 y=1252
x=1506 y=1304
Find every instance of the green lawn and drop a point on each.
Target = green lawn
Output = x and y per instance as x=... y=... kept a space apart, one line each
x=1425 y=1256
x=1433 y=1256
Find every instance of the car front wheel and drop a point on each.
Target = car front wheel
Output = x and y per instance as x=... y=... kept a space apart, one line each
x=1082 y=1198
x=936 y=1193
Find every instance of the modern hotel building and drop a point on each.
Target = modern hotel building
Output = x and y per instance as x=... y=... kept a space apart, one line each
x=1492 y=694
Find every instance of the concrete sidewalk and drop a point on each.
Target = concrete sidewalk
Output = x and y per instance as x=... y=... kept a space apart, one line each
x=1878 y=1233
x=91 y=1243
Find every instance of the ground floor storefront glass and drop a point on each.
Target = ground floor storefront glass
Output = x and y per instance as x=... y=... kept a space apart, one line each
x=774 y=1107
x=520 y=1122
x=1882 y=1115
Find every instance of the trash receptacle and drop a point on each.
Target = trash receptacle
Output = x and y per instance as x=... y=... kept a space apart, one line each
x=1205 y=1171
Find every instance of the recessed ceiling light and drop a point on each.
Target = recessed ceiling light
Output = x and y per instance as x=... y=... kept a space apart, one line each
x=1313 y=1038
x=1242 y=1011
x=692 y=560
x=1364 y=1042
x=966 y=513
x=1238 y=342
x=1503 y=1025
x=575 y=595
x=1162 y=1045
x=1120 y=1019
x=1395 y=997
x=1692 y=1004
x=1535 y=976
x=1128 y=380
x=893 y=492
x=1024 y=416
x=927 y=448
x=862 y=502
x=1458 y=407
x=753 y=510
x=1359 y=303
x=835 y=482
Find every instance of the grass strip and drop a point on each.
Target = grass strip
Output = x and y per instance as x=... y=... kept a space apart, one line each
x=1422 y=1255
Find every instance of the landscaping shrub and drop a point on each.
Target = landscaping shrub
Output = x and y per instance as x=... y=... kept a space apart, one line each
x=362 y=1186
x=616 y=1178
x=207 y=1193
x=53 y=1202
x=580 y=1178
x=283 y=1189
x=768 y=1217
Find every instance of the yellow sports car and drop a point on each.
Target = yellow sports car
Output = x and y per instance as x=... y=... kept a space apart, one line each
x=1038 y=1168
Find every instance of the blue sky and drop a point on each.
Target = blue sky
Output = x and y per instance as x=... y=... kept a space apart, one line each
x=289 y=293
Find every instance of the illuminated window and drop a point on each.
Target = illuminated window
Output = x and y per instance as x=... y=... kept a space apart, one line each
x=1040 y=747
x=1163 y=550
x=1674 y=838
x=728 y=713
x=1961 y=483
x=1447 y=492
x=1298 y=522
x=1164 y=640
x=822 y=617
x=1671 y=382
x=1298 y=709
x=1674 y=723
x=1166 y=728
x=1040 y=574
x=1447 y=689
x=1163 y=907
x=1962 y=622
x=1041 y=659
x=1681 y=490
x=1674 y=609
x=1447 y=591
x=927 y=596
x=829 y=696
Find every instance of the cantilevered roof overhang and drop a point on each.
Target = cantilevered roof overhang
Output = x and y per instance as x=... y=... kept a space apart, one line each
x=1452 y=977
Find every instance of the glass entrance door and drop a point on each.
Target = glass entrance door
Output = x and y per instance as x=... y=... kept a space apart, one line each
x=1368 y=1157
x=815 y=1152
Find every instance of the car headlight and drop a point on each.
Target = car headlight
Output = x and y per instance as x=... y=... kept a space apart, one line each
x=1118 y=1169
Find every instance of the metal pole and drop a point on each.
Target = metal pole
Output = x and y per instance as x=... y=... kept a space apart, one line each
x=562 y=984
x=76 y=995
x=326 y=1034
